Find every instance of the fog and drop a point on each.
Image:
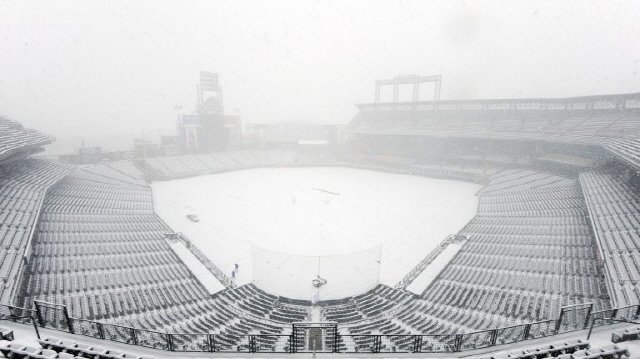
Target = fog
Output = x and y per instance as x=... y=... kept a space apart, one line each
x=261 y=213
x=94 y=68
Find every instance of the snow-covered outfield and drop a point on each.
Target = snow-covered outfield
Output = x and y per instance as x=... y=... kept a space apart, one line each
x=306 y=212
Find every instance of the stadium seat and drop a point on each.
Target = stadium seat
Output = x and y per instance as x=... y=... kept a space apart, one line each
x=625 y=335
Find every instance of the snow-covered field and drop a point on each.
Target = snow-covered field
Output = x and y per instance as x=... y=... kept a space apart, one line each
x=306 y=212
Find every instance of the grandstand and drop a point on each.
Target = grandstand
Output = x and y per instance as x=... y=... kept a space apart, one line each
x=615 y=212
x=17 y=142
x=100 y=250
x=554 y=246
x=172 y=167
x=23 y=184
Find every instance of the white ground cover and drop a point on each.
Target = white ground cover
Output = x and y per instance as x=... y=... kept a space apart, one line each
x=306 y=213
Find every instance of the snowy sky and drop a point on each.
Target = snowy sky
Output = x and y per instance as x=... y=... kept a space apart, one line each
x=72 y=68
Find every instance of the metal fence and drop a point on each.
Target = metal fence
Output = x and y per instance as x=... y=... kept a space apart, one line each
x=16 y=314
x=54 y=316
x=574 y=317
x=610 y=316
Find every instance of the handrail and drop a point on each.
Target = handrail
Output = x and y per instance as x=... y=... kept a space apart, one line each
x=223 y=278
x=462 y=341
x=424 y=263
x=585 y=103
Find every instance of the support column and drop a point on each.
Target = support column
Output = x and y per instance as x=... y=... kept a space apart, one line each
x=396 y=89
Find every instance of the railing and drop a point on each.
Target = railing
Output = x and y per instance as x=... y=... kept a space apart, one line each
x=451 y=173
x=359 y=322
x=601 y=102
x=217 y=272
x=424 y=263
x=16 y=314
x=578 y=317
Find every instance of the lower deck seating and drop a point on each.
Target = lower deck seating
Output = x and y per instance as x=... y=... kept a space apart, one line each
x=53 y=348
x=614 y=205
x=22 y=188
x=232 y=315
x=79 y=349
x=100 y=250
x=192 y=165
x=628 y=150
x=17 y=140
x=530 y=252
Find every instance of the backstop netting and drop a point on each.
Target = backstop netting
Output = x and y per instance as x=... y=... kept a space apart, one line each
x=292 y=276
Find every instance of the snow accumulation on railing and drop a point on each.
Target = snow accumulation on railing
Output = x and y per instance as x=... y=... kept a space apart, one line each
x=420 y=267
x=223 y=278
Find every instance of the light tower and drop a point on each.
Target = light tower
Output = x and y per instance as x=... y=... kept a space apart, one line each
x=414 y=80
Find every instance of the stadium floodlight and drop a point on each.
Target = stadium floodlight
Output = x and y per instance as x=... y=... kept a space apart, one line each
x=414 y=80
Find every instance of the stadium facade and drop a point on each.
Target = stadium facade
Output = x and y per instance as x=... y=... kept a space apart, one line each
x=554 y=247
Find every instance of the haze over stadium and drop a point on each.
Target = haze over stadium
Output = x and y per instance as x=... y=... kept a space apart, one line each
x=129 y=64
x=286 y=178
